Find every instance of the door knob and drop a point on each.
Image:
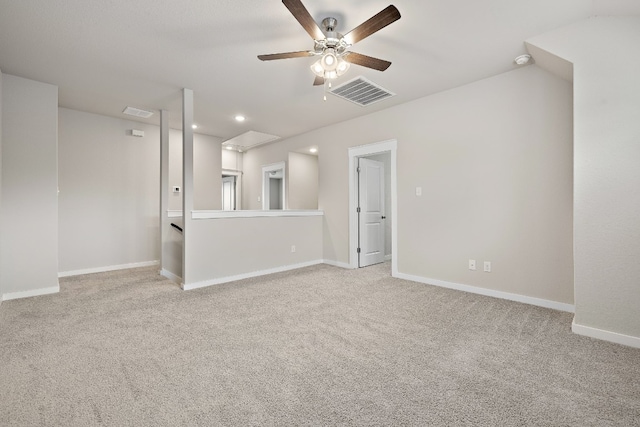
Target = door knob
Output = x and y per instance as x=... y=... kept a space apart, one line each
x=384 y=217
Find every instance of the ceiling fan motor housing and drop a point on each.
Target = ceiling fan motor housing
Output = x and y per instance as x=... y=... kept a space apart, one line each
x=329 y=24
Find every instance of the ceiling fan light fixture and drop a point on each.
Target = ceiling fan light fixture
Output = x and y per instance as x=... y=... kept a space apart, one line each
x=329 y=75
x=329 y=60
x=343 y=66
x=317 y=69
x=337 y=66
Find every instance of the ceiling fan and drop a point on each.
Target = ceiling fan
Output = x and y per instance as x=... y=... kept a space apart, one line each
x=331 y=46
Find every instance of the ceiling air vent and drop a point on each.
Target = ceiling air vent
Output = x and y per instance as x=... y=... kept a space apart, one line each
x=361 y=91
x=138 y=112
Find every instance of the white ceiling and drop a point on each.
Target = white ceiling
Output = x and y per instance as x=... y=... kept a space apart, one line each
x=107 y=54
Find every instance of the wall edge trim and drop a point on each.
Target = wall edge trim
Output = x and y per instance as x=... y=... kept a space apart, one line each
x=554 y=305
x=169 y=275
x=337 y=264
x=32 y=293
x=107 y=268
x=227 y=279
x=600 y=334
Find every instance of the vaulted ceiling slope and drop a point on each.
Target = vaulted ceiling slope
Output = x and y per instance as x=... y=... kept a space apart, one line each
x=105 y=55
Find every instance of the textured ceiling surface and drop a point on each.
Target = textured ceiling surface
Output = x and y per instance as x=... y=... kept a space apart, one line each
x=107 y=54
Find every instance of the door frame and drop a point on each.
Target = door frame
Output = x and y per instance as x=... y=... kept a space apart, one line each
x=238 y=176
x=391 y=147
x=265 y=184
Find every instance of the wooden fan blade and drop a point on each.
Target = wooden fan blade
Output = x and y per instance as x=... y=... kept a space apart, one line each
x=366 y=61
x=303 y=16
x=373 y=24
x=318 y=81
x=285 y=55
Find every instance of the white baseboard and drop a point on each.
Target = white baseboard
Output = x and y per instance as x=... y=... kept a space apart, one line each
x=490 y=293
x=173 y=277
x=107 y=268
x=388 y=257
x=337 y=264
x=600 y=334
x=33 y=293
x=221 y=280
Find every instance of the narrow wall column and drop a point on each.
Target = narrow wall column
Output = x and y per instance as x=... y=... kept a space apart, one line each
x=1 y=285
x=164 y=183
x=187 y=176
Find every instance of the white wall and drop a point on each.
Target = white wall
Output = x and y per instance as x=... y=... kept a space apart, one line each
x=207 y=171
x=302 y=181
x=109 y=189
x=231 y=160
x=494 y=160
x=253 y=161
x=225 y=248
x=29 y=245
x=606 y=63
x=109 y=194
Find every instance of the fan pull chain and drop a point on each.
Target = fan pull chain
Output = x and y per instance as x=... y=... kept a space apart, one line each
x=327 y=82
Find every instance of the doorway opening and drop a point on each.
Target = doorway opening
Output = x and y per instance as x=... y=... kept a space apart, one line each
x=231 y=190
x=373 y=204
x=228 y=193
x=274 y=187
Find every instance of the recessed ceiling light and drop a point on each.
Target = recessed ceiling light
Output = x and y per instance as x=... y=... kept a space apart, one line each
x=194 y=126
x=522 y=59
x=313 y=150
x=240 y=118
x=229 y=147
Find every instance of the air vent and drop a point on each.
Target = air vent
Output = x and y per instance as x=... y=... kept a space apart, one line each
x=138 y=112
x=361 y=91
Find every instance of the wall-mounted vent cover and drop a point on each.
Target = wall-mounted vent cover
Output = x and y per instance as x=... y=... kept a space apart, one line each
x=361 y=91
x=138 y=112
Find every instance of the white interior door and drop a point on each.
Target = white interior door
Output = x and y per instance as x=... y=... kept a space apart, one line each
x=229 y=193
x=371 y=214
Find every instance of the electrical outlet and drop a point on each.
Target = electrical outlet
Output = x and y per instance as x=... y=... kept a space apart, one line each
x=472 y=264
x=418 y=191
x=487 y=266
x=293 y=248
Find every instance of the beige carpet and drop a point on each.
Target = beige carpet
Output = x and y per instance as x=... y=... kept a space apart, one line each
x=319 y=346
